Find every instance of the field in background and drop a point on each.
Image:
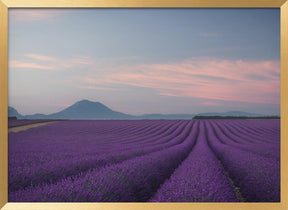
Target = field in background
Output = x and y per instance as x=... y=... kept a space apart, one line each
x=146 y=160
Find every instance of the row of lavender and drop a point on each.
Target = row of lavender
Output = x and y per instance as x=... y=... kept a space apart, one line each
x=51 y=152
x=147 y=160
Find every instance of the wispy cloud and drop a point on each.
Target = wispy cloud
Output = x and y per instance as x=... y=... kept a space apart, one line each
x=33 y=15
x=206 y=78
x=40 y=57
x=26 y=65
x=44 y=62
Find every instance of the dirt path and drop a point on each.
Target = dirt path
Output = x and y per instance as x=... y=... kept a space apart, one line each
x=26 y=127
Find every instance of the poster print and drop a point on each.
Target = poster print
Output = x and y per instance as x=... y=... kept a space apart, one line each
x=145 y=105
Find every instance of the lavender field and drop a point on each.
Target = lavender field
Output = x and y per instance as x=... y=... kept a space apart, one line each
x=146 y=161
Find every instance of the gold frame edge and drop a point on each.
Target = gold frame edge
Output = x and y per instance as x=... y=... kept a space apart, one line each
x=3 y=104
x=141 y=3
x=5 y=4
x=284 y=102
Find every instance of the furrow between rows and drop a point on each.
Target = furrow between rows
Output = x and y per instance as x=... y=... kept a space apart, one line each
x=200 y=178
x=257 y=177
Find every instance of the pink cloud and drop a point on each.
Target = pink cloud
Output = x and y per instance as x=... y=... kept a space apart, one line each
x=19 y=64
x=32 y=15
x=82 y=60
x=43 y=62
x=40 y=57
x=208 y=78
x=168 y=94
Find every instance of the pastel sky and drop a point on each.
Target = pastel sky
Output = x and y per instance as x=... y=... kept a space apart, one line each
x=141 y=61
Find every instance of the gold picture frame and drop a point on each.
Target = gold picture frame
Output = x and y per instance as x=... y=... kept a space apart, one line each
x=5 y=4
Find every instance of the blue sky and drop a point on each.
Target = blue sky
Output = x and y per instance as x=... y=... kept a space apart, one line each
x=145 y=60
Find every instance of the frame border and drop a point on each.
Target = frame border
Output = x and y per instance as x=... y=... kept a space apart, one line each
x=6 y=4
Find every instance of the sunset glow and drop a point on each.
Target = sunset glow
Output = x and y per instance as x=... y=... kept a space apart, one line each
x=168 y=65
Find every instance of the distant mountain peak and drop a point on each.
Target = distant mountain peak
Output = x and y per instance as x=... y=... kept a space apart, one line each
x=13 y=112
x=89 y=103
x=86 y=109
x=88 y=106
x=86 y=101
